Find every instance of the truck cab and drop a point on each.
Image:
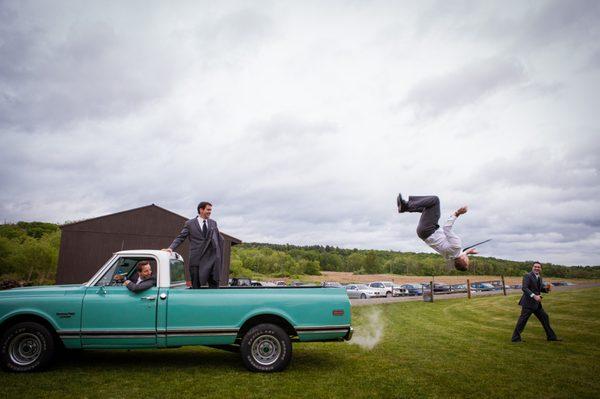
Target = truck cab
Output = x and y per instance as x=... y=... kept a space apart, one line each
x=259 y=322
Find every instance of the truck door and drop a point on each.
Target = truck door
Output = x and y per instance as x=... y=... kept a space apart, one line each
x=115 y=317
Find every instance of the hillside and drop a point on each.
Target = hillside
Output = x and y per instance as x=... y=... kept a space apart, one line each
x=29 y=252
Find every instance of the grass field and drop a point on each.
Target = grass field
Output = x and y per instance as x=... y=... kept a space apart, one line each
x=451 y=348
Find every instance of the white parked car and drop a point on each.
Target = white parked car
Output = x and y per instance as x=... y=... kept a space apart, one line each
x=333 y=284
x=362 y=291
x=256 y=283
x=397 y=290
x=389 y=289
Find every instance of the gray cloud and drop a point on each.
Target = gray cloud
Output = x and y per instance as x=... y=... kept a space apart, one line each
x=468 y=85
x=288 y=128
x=280 y=115
x=93 y=70
x=514 y=26
x=556 y=21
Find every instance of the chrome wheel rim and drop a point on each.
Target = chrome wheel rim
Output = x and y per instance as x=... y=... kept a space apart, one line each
x=266 y=349
x=25 y=349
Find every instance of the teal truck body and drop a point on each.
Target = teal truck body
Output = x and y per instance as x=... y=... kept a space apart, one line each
x=260 y=322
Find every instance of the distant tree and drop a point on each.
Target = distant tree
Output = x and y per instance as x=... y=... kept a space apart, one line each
x=355 y=262
x=310 y=267
x=371 y=264
x=331 y=261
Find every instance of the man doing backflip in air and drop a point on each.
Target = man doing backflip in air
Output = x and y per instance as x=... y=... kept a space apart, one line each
x=441 y=239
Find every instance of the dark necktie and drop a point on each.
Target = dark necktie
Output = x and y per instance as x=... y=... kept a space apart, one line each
x=204 y=228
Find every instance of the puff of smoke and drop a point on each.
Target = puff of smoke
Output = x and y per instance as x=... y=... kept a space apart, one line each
x=370 y=331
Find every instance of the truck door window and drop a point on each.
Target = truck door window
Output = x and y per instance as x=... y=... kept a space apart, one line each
x=122 y=269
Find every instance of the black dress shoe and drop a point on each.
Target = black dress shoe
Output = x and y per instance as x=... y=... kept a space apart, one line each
x=517 y=340
x=401 y=204
x=554 y=339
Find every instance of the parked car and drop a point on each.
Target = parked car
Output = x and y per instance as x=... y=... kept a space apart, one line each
x=385 y=290
x=104 y=314
x=413 y=289
x=562 y=283
x=482 y=287
x=458 y=288
x=240 y=282
x=441 y=288
x=333 y=284
x=362 y=291
x=256 y=283
x=498 y=285
x=397 y=290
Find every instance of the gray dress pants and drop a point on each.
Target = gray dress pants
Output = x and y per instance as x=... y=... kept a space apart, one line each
x=429 y=207
x=207 y=271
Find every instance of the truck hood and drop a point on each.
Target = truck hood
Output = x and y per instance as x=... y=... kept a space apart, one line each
x=43 y=290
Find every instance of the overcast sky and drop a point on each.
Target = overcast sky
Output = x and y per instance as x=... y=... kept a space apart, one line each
x=301 y=121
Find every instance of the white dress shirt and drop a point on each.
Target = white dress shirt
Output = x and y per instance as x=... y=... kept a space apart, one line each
x=444 y=241
x=201 y=221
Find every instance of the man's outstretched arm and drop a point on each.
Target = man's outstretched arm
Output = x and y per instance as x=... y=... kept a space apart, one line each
x=185 y=232
x=142 y=285
x=452 y=238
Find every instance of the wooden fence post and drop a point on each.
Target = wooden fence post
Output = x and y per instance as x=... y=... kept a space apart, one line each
x=503 y=285
x=468 y=288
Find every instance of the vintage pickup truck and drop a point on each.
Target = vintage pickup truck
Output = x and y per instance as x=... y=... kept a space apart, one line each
x=259 y=322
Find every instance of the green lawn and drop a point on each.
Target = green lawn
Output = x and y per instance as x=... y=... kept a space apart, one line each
x=451 y=348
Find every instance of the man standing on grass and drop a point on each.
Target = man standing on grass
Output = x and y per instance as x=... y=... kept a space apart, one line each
x=206 y=247
x=531 y=302
x=442 y=240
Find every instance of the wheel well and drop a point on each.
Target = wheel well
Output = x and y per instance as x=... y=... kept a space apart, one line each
x=33 y=318
x=267 y=318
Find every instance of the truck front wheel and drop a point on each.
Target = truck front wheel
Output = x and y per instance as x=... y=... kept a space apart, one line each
x=26 y=346
x=266 y=348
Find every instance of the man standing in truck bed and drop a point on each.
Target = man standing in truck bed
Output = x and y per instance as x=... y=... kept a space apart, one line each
x=206 y=247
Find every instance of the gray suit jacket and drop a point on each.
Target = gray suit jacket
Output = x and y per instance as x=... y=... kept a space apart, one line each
x=198 y=244
x=142 y=285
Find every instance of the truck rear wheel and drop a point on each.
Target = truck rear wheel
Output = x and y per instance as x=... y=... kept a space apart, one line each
x=26 y=346
x=266 y=348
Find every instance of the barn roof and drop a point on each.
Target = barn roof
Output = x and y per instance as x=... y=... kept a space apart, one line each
x=146 y=207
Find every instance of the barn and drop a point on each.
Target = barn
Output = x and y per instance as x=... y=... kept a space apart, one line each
x=87 y=244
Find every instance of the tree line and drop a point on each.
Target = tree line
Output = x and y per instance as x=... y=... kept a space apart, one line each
x=289 y=260
x=29 y=253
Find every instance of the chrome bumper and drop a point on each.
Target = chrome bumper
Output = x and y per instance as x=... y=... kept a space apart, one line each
x=348 y=335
